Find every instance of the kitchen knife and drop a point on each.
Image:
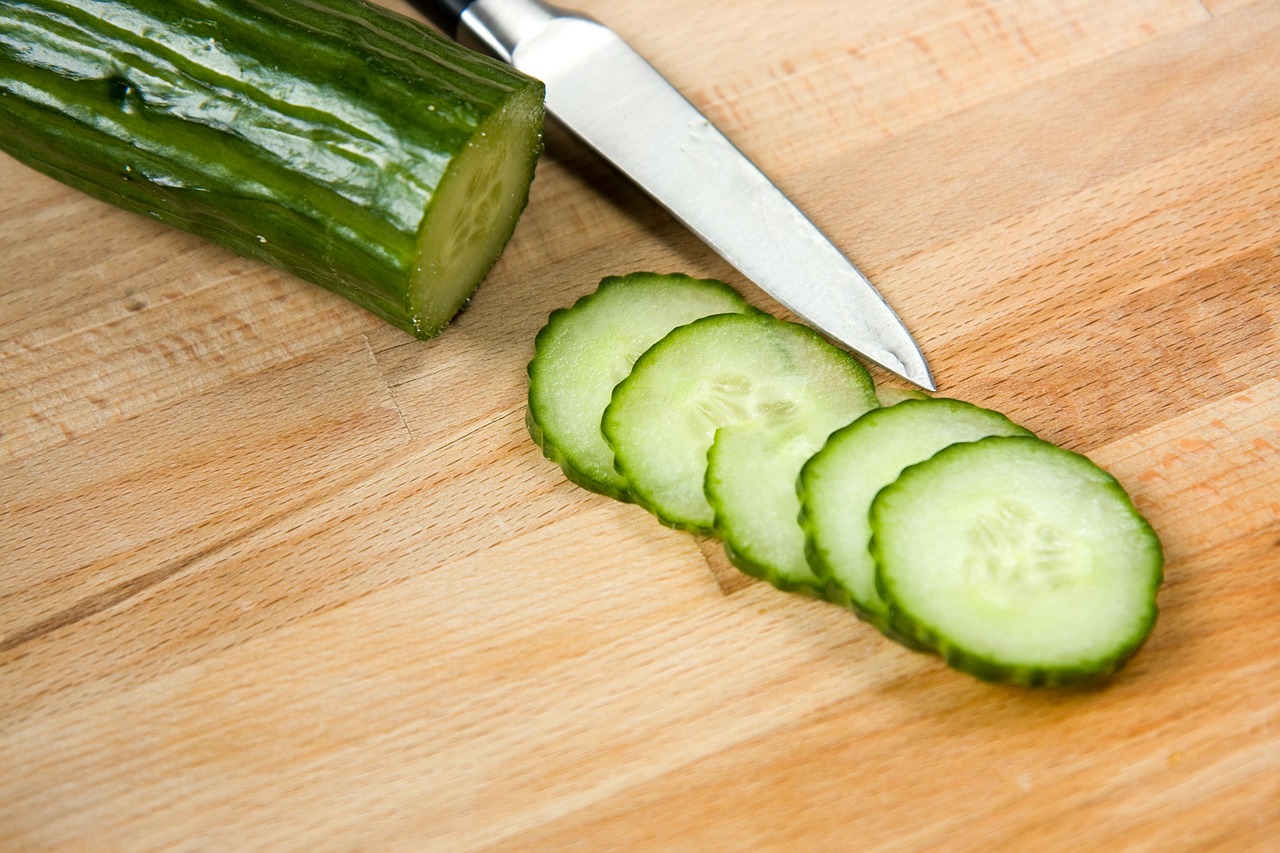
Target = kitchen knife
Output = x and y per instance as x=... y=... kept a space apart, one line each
x=609 y=96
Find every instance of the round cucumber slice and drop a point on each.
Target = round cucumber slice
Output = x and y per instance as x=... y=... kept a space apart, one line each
x=710 y=375
x=751 y=484
x=584 y=351
x=838 y=484
x=1019 y=561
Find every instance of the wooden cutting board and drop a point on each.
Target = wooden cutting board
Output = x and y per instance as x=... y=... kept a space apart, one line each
x=276 y=576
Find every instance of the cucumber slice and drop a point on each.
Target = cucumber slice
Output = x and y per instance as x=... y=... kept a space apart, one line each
x=890 y=395
x=838 y=484
x=711 y=374
x=751 y=485
x=1019 y=561
x=584 y=351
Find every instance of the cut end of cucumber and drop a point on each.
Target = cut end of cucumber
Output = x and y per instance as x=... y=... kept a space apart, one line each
x=474 y=212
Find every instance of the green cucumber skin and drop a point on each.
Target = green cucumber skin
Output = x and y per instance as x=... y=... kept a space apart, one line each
x=307 y=134
x=836 y=594
x=983 y=667
x=760 y=571
x=570 y=471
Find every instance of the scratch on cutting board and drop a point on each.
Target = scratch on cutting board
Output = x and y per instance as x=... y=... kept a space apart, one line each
x=386 y=386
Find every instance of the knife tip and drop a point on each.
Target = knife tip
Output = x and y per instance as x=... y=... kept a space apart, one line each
x=924 y=384
x=915 y=370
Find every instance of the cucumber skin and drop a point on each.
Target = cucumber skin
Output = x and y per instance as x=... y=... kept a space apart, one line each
x=956 y=656
x=570 y=471
x=747 y=566
x=836 y=594
x=341 y=177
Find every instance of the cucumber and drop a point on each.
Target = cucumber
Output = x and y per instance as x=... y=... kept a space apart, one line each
x=584 y=351
x=708 y=376
x=333 y=139
x=889 y=395
x=1018 y=561
x=836 y=487
x=751 y=484
x=947 y=526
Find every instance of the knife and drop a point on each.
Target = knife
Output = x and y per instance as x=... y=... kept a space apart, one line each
x=617 y=103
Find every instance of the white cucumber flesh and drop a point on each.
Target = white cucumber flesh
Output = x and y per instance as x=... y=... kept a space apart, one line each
x=751 y=484
x=838 y=484
x=584 y=351
x=1018 y=561
x=710 y=375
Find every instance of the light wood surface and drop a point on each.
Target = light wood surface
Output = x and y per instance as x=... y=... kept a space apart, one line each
x=277 y=577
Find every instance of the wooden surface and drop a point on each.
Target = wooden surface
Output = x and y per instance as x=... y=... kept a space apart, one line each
x=277 y=577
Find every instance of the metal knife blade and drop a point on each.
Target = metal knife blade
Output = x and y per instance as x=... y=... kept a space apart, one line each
x=614 y=100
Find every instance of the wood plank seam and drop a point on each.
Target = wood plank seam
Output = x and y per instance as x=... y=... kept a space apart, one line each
x=130 y=589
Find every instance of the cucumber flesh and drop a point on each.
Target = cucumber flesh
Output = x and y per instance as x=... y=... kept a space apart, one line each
x=890 y=395
x=584 y=351
x=838 y=484
x=473 y=213
x=751 y=484
x=1018 y=561
x=709 y=375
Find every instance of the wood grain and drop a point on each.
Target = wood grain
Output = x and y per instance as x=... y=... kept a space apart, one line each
x=278 y=577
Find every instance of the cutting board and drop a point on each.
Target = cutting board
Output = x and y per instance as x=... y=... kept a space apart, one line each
x=276 y=576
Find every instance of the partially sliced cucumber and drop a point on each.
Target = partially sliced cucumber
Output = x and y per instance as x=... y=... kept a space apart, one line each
x=584 y=351
x=838 y=484
x=711 y=374
x=1019 y=561
x=334 y=139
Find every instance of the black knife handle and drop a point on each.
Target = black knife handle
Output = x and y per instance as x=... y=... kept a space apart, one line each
x=445 y=14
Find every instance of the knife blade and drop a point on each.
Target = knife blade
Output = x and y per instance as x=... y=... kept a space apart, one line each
x=609 y=96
